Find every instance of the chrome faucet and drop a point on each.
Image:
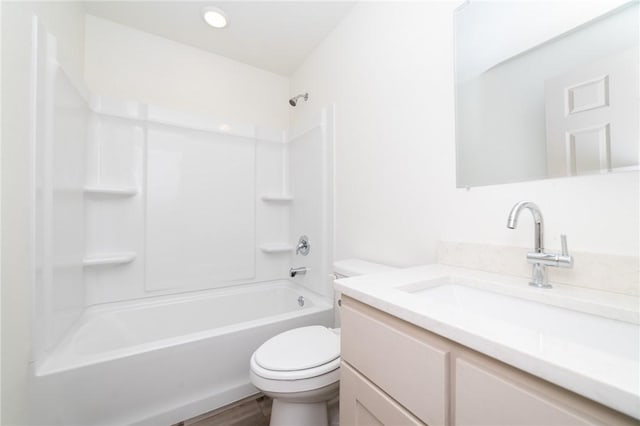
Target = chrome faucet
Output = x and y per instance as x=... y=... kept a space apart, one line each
x=539 y=258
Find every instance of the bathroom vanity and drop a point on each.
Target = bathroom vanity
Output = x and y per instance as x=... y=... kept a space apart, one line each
x=438 y=345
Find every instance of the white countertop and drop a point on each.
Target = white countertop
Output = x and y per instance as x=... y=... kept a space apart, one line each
x=607 y=371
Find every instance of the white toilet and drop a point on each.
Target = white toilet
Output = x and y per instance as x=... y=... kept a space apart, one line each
x=300 y=368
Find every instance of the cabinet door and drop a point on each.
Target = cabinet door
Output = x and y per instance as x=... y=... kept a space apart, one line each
x=482 y=397
x=401 y=359
x=363 y=404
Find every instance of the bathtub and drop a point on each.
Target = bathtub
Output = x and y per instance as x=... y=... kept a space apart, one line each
x=161 y=360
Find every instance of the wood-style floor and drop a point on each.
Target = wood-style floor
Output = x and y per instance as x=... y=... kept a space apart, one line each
x=252 y=411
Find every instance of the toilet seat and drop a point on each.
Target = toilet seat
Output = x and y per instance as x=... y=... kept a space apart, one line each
x=294 y=375
x=298 y=354
x=298 y=361
x=291 y=382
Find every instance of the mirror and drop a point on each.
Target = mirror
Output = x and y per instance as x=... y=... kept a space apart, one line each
x=545 y=89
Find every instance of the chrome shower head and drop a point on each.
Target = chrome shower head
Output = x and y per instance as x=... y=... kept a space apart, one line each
x=294 y=101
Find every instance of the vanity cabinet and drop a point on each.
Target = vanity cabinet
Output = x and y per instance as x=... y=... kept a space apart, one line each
x=395 y=373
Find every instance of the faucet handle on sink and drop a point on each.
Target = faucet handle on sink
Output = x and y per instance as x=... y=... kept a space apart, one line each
x=563 y=242
x=565 y=260
x=562 y=260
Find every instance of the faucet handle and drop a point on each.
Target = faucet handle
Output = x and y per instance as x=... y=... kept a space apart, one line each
x=563 y=242
x=303 y=246
x=565 y=260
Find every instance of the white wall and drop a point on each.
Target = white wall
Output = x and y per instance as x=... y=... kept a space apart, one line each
x=389 y=68
x=125 y=63
x=66 y=21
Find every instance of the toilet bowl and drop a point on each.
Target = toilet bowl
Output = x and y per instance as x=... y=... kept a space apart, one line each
x=300 y=368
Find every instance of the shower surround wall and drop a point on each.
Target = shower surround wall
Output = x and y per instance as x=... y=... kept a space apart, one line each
x=177 y=207
x=58 y=167
x=310 y=157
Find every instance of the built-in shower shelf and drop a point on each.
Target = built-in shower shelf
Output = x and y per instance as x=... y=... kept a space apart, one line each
x=276 y=248
x=117 y=191
x=109 y=258
x=278 y=198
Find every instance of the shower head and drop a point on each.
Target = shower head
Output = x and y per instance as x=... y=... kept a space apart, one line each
x=293 y=101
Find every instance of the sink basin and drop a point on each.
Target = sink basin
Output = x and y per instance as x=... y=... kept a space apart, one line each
x=550 y=329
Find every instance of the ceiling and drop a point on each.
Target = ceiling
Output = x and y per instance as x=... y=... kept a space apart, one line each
x=275 y=36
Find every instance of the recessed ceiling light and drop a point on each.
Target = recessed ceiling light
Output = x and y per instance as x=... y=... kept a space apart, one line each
x=215 y=17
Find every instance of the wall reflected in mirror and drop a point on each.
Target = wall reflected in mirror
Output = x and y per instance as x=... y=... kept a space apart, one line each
x=546 y=89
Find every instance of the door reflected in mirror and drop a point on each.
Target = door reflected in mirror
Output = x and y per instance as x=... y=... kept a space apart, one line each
x=546 y=89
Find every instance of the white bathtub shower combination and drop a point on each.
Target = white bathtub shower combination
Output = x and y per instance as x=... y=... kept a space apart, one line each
x=162 y=243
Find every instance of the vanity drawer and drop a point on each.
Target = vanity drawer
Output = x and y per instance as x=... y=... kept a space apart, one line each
x=485 y=397
x=488 y=392
x=404 y=361
x=363 y=404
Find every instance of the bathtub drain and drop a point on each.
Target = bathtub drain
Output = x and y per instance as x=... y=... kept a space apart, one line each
x=301 y=301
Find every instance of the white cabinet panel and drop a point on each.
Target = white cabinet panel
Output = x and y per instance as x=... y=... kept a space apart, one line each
x=484 y=398
x=363 y=404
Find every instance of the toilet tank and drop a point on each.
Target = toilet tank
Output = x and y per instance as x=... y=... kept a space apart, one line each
x=351 y=268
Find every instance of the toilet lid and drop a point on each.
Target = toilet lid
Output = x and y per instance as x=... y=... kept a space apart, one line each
x=299 y=349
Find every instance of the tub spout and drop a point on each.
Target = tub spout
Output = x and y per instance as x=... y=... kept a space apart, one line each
x=299 y=270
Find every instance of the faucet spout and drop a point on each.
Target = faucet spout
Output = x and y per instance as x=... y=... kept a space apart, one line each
x=512 y=222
